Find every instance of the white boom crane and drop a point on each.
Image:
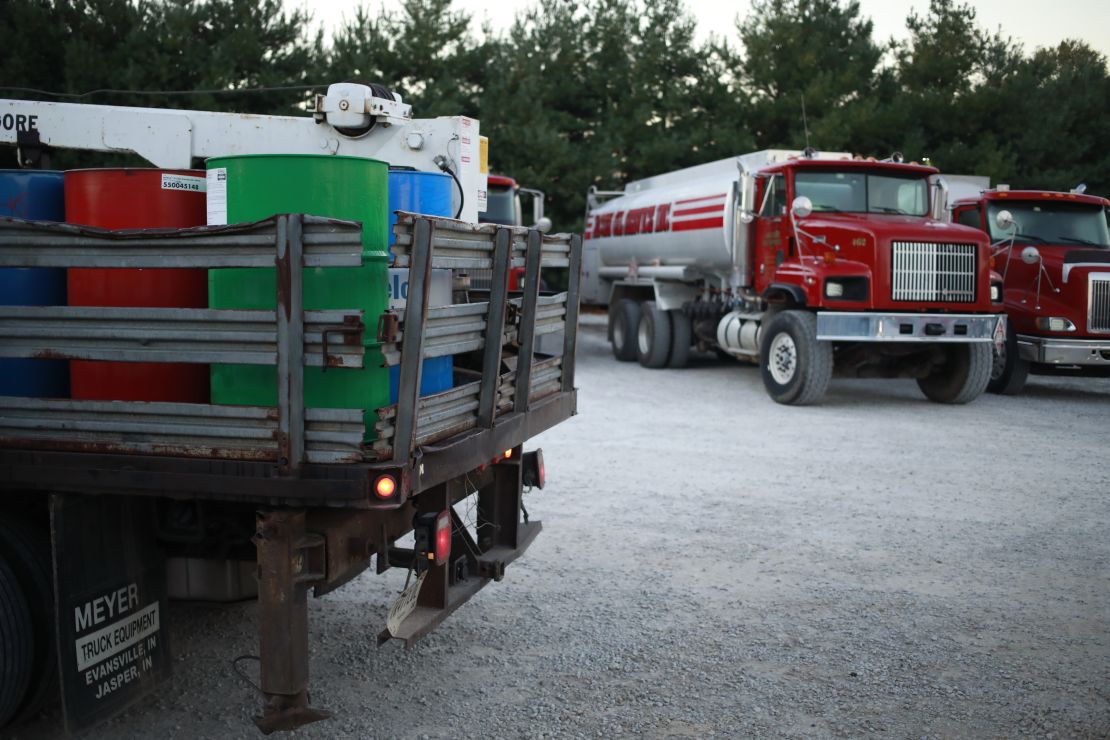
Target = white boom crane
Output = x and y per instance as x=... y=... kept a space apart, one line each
x=351 y=119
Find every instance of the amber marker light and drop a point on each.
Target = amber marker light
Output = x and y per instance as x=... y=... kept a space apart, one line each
x=508 y=453
x=385 y=486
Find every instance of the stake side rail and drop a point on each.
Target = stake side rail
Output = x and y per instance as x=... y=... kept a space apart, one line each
x=503 y=330
x=285 y=453
x=280 y=338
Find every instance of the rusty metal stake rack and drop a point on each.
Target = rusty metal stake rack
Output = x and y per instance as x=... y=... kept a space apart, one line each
x=308 y=472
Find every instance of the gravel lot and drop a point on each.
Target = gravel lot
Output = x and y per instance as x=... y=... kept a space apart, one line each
x=715 y=565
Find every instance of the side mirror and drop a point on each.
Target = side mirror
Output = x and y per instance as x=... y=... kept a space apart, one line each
x=1004 y=219
x=544 y=224
x=1030 y=255
x=801 y=207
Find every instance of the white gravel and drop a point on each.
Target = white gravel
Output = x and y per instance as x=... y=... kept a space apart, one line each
x=715 y=565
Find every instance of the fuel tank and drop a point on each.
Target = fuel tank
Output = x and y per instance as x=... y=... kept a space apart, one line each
x=676 y=222
x=686 y=218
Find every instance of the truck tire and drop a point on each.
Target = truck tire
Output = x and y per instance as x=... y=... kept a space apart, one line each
x=1008 y=370
x=16 y=639
x=964 y=375
x=653 y=336
x=681 y=339
x=624 y=320
x=26 y=548
x=796 y=368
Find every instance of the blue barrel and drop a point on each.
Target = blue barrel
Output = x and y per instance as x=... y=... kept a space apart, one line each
x=36 y=195
x=428 y=193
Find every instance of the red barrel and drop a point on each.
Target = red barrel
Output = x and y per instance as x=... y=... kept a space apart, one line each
x=137 y=199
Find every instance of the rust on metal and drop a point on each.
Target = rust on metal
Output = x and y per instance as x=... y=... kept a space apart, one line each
x=289 y=560
x=352 y=538
x=285 y=714
x=191 y=451
x=284 y=276
x=388 y=327
x=351 y=333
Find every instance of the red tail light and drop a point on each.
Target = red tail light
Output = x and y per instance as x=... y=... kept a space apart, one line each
x=516 y=278
x=443 y=537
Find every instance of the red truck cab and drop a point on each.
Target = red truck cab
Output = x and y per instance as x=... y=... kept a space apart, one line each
x=503 y=206
x=1053 y=251
x=502 y=202
x=869 y=241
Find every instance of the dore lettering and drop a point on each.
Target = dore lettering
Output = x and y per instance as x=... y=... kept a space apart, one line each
x=19 y=122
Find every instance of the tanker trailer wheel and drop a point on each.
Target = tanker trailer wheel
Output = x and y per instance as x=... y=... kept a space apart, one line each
x=624 y=321
x=653 y=336
x=26 y=548
x=682 y=337
x=1008 y=370
x=16 y=641
x=796 y=368
x=964 y=375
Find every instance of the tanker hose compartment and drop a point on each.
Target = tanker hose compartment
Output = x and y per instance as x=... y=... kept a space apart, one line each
x=441 y=162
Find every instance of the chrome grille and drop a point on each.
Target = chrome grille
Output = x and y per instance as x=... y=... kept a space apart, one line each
x=480 y=279
x=1098 y=303
x=935 y=272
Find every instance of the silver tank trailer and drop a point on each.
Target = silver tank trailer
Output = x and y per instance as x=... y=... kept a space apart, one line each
x=704 y=234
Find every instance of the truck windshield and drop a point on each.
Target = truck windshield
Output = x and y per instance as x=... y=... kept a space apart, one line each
x=1047 y=222
x=861 y=192
x=499 y=207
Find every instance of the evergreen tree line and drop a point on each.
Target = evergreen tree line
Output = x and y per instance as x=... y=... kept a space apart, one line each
x=599 y=92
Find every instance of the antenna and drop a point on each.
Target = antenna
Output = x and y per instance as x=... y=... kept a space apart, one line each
x=805 y=125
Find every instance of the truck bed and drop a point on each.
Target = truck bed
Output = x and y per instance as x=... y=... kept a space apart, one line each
x=288 y=454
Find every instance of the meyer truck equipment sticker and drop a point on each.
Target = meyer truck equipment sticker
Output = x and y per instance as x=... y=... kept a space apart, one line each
x=111 y=590
x=112 y=656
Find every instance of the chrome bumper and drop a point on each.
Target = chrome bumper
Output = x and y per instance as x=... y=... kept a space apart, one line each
x=907 y=327
x=1053 y=351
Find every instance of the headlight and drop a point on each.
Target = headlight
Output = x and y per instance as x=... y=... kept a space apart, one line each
x=996 y=293
x=1054 y=323
x=847 y=289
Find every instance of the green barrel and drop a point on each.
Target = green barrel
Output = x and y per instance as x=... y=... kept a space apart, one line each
x=254 y=187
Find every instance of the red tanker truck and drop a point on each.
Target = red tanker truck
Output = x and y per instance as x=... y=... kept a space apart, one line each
x=1053 y=250
x=808 y=263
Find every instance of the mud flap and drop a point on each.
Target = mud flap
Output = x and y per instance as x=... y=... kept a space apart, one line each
x=110 y=587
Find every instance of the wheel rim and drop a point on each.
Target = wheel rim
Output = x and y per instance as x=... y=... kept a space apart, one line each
x=782 y=360
x=644 y=338
x=998 y=362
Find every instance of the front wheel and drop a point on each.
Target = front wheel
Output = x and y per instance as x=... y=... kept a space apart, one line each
x=964 y=375
x=796 y=367
x=1008 y=370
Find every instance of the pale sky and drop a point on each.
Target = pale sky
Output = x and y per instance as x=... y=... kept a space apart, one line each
x=1033 y=24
